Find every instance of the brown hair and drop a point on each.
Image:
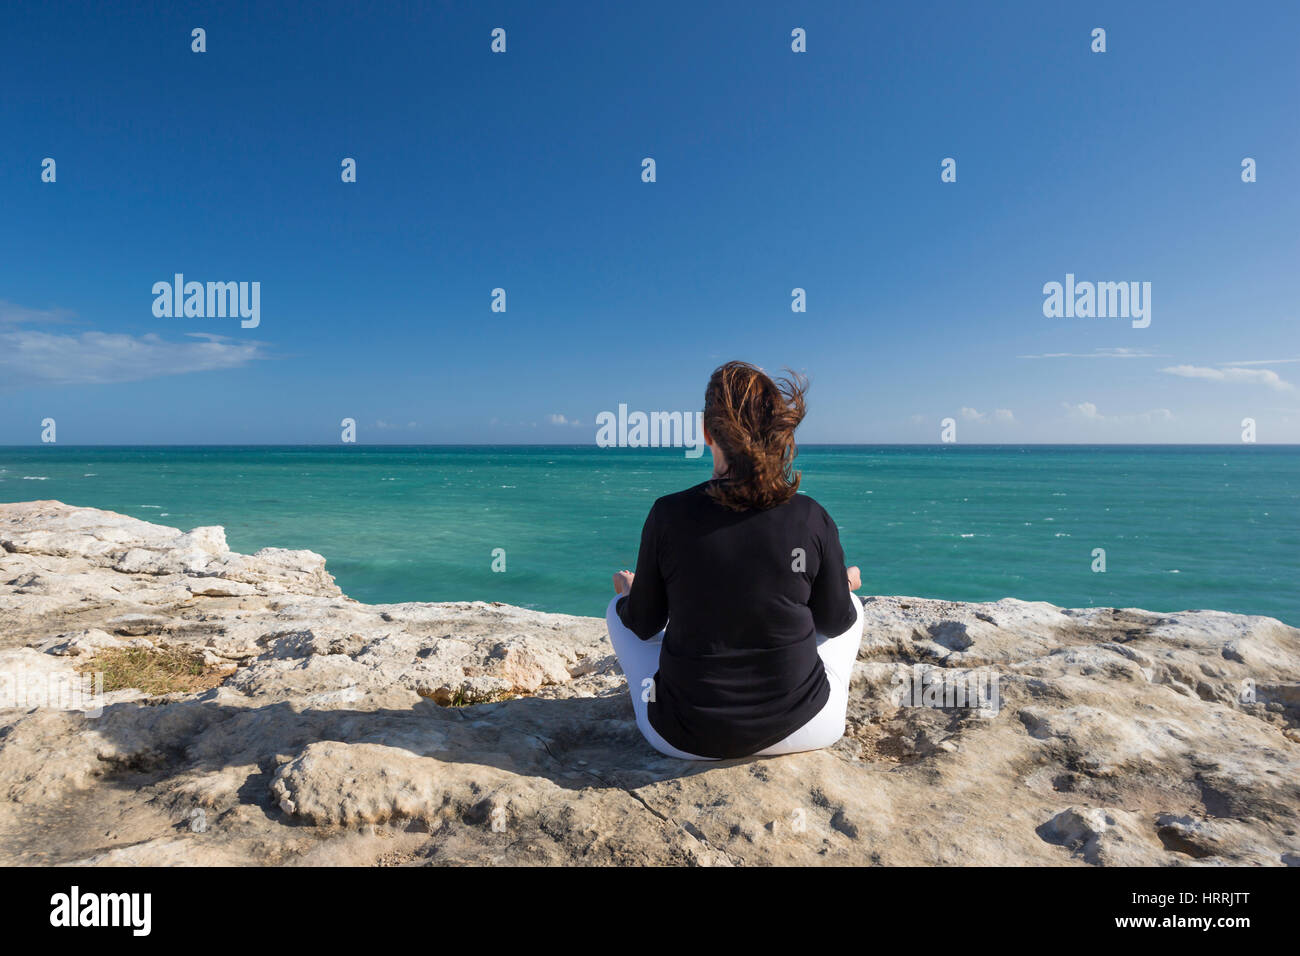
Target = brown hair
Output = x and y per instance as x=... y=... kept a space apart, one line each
x=752 y=419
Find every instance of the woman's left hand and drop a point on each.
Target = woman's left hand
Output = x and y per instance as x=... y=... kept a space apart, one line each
x=623 y=581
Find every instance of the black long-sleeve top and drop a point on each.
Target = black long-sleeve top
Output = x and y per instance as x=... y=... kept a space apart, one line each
x=744 y=596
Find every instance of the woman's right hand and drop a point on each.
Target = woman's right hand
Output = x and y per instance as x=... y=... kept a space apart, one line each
x=623 y=581
x=855 y=578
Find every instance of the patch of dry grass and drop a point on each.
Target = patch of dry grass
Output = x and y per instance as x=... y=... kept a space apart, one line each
x=447 y=696
x=154 y=670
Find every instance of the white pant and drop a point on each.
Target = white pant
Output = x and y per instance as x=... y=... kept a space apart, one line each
x=640 y=661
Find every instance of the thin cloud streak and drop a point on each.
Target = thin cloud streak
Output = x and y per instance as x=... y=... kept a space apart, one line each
x=1088 y=412
x=1234 y=374
x=14 y=314
x=1121 y=353
x=30 y=358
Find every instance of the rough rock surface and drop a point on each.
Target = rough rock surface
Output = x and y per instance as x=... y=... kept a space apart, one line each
x=1119 y=736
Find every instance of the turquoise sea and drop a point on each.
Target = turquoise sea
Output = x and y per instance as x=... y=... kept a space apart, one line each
x=1182 y=527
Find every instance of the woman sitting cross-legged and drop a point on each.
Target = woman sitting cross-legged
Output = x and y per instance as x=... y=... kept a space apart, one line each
x=738 y=631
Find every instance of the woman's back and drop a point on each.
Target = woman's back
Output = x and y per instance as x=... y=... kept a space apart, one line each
x=749 y=592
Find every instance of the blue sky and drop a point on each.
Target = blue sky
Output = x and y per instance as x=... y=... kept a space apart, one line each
x=522 y=170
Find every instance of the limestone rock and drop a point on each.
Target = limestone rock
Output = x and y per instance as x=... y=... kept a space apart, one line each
x=87 y=643
x=473 y=732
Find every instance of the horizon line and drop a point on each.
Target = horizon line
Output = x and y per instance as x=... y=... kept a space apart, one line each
x=867 y=444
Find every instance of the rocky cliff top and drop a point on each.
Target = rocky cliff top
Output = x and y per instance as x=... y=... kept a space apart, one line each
x=327 y=731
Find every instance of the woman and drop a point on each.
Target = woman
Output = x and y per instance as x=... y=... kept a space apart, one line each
x=749 y=579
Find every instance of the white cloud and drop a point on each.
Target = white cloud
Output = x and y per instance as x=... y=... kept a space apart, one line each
x=388 y=426
x=29 y=357
x=1233 y=373
x=1122 y=353
x=558 y=419
x=12 y=314
x=1002 y=416
x=1087 y=411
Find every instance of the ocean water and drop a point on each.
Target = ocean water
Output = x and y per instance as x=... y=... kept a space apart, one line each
x=1182 y=527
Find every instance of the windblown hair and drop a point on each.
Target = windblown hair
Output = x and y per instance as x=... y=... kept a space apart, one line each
x=752 y=419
